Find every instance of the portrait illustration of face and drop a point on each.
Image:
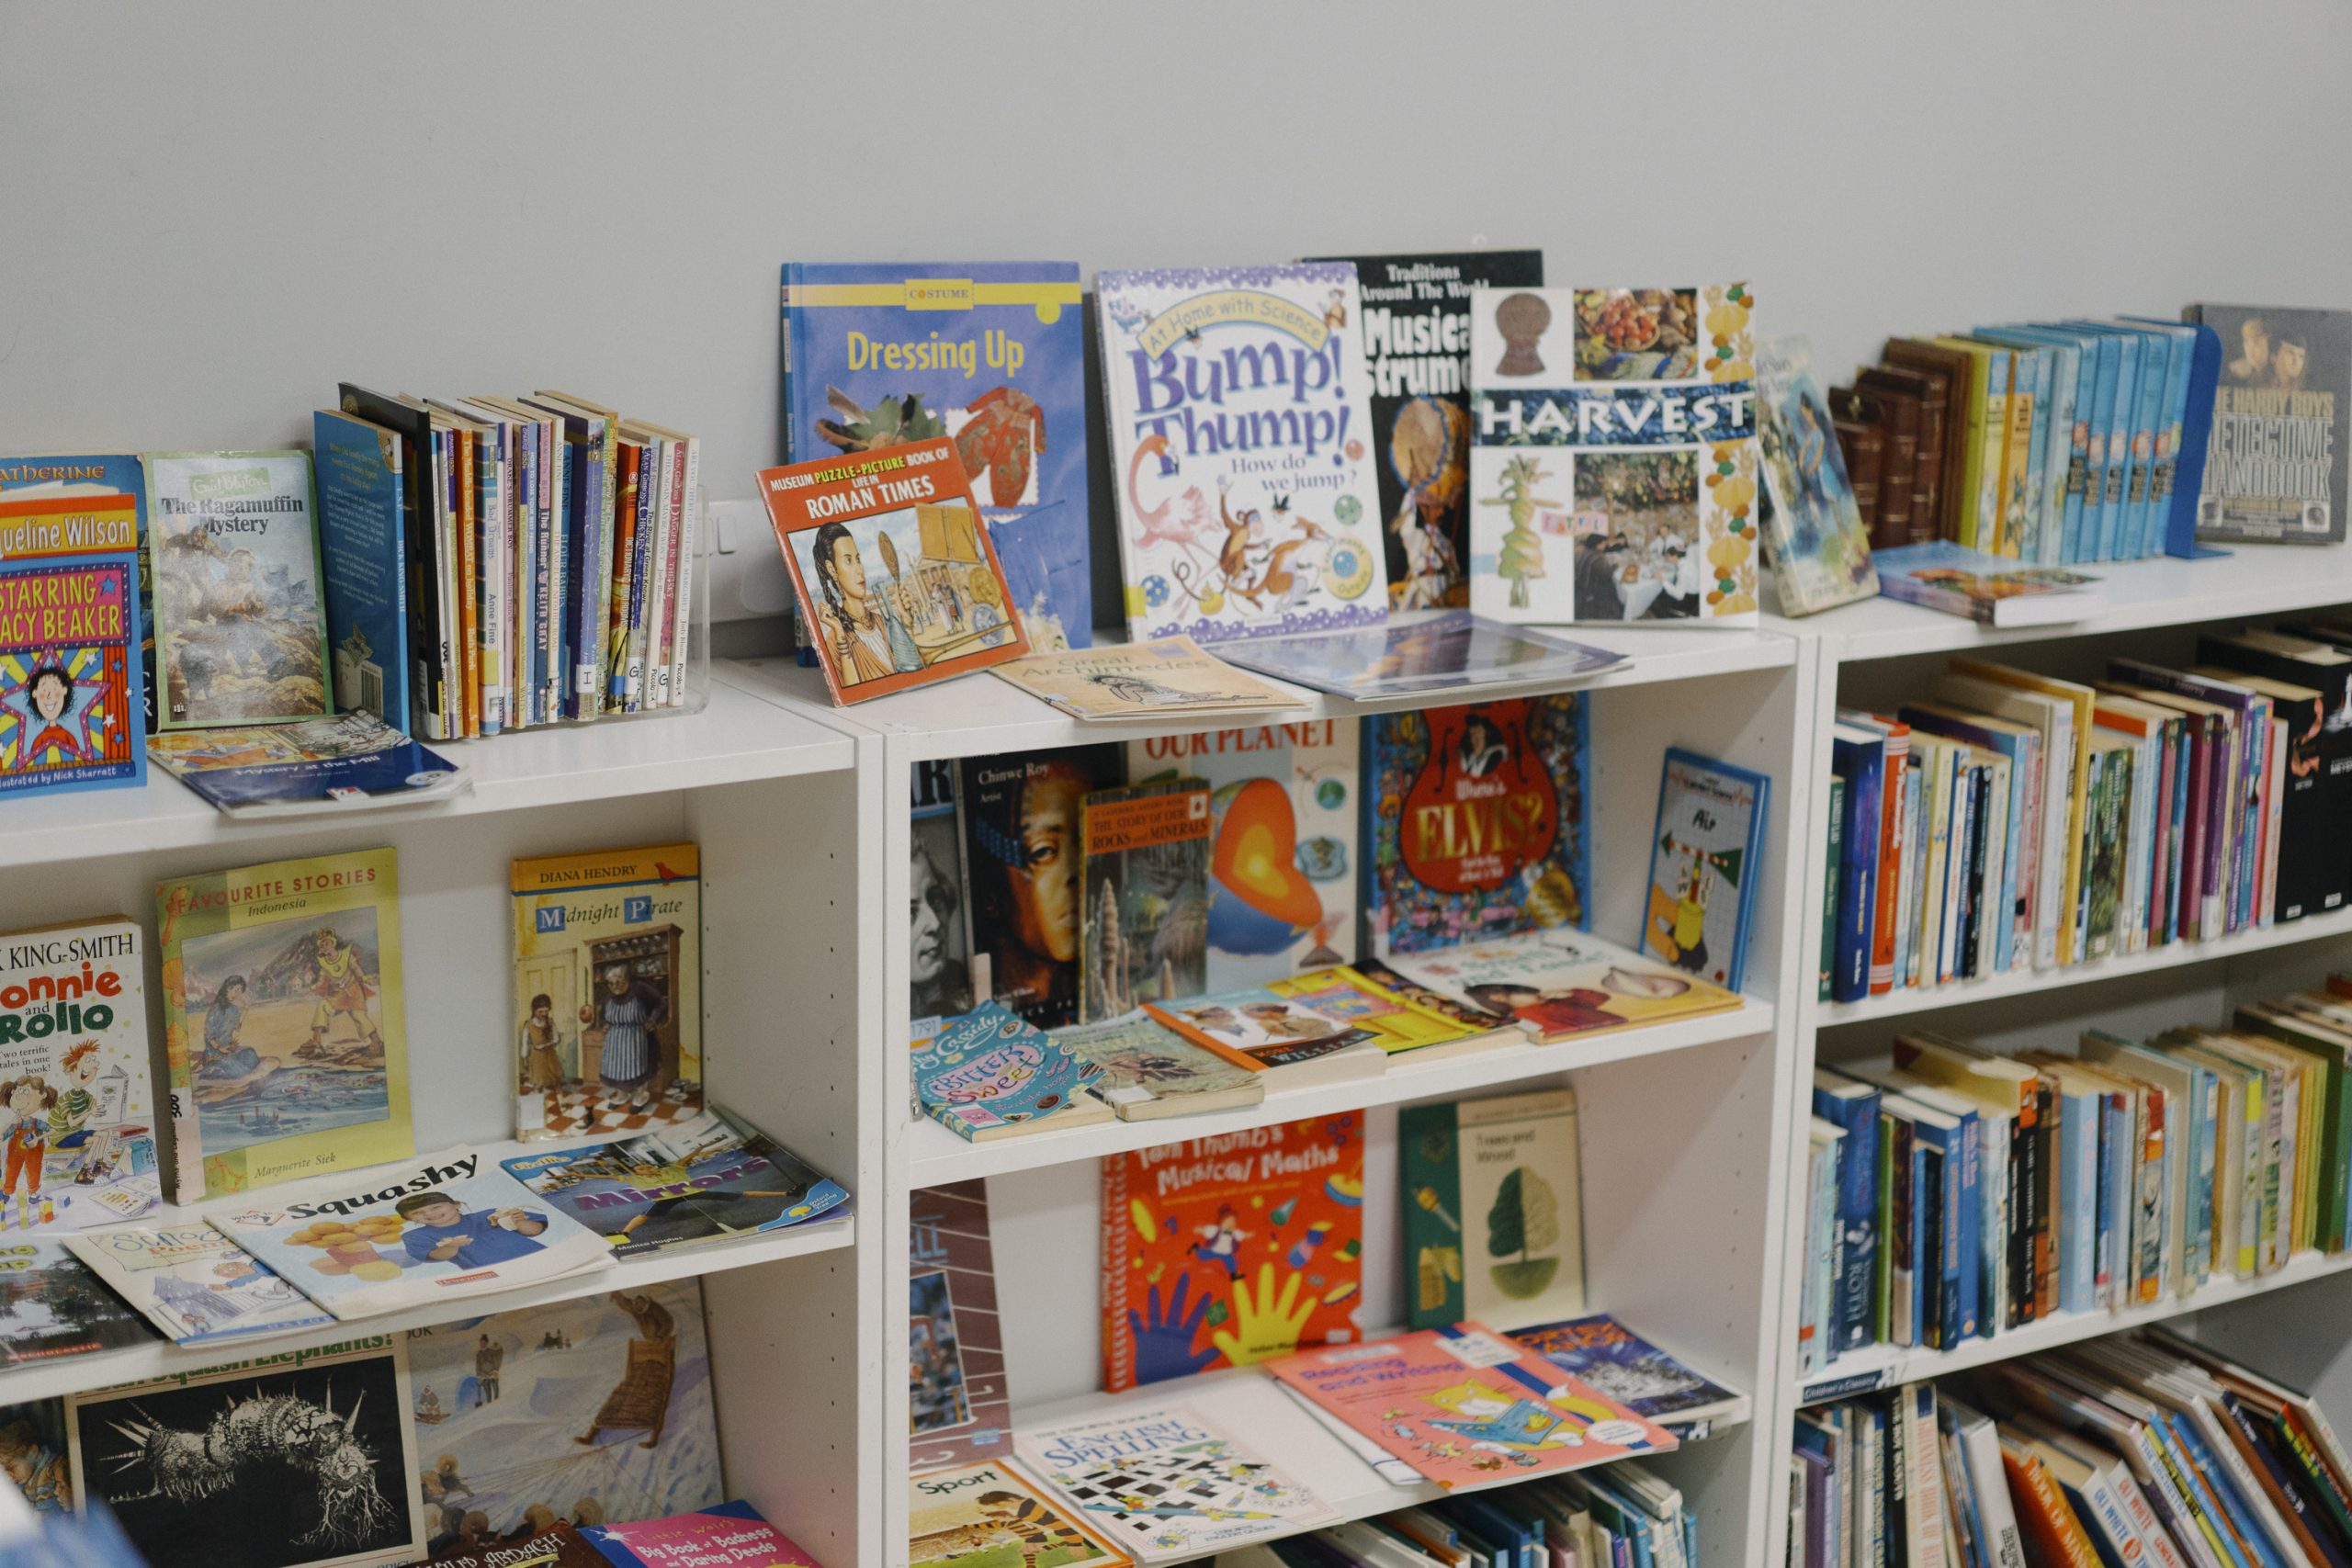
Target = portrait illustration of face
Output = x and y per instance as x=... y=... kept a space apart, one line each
x=2288 y=364
x=932 y=904
x=51 y=693
x=1046 y=886
x=848 y=567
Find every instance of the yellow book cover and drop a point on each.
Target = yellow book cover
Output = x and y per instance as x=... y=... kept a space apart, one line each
x=282 y=1021
x=2081 y=698
x=1397 y=1022
x=1142 y=680
x=608 y=1011
x=1988 y=443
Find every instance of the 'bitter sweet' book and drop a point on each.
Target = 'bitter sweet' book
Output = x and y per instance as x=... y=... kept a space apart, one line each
x=961 y=1516
x=77 y=1096
x=959 y=1405
x=1164 y=1484
x=1143 y=870
x=1704 y=860
x=1494 y=1217
x=73 y=708
x=990 y=1074
x=1821 y=551
x=194 y=1283
x=282 y=1021
x=1241 y=440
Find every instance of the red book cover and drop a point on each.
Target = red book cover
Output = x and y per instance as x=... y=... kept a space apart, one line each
x=1890 y=857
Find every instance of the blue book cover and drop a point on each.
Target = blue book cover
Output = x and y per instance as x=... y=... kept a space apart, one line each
x=2115 y=516
x=1861 y=759
x=2080 y=1111
x=989 y=1072
x=2068 y=463
x=1963 y=1233
x=989 y=355
x=1906 y=922
x=1625 y=1367
x=2094 y=413
x=2172 y=416
x=2148 y=418
x=2014 y=747
x=2196 y=434
x=1855 y=1107
x=324 y=764
x=75 y=664
x=2139 y=401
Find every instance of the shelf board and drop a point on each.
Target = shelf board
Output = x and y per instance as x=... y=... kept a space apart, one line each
x=1885 y=1366
x=936 y=1156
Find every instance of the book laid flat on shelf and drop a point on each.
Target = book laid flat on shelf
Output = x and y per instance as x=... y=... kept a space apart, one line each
x=953 y=1516
x=283 y=1022
x=1705 y=857
x=2281 y=425
x=1607 y=1356
x=725 y=1532
x=1820 y=549
x=1227 y=1251
x=1612 y=455
x=344 y=764
x=72 y=706
x=710 y=1178
x=557 y=1546
x=1164 y=1484
x=79 y=1086
x=990 y=1074
x=1166 y=676
x=1449 y=651
x=1019 y=820
x=1143 y=873
x=194 y=1283
x=1275 y=1033
x=959 y=1402
x=892 y=568
x=1494 y=1216
x=1565 y=985
x=57 y=1307
x=607 y=991
x=990 y=356
x=1397 y=1017
x=1238 y=422
x=1993 y=590
x=1148 y=1070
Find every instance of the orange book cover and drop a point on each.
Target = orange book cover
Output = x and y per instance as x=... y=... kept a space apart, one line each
x=2048 y=1519
x=619 y=624
x=468 y=599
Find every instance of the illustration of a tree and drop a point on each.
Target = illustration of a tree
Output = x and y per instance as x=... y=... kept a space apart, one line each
x=1521 y=556
x=1524 y=1219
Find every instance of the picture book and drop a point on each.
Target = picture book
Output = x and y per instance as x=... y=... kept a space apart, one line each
x=710 y=1178
x=1261 y=1027
x=239 y=607
x=1466 y=1408
x=595 y=1408
x=557 y=1546
x=32 y=1441
x=1613 y=454
x=1282 y=863
x=1607 y=1356
x=362 y=559
x=1820 y=549
x=1398 y=1021
x=1565 y=983
x=1991 y=590
x=1167 y=676
x=1448 y=650
x=1494 y=1217
x=1241 y=438
x=1143 y=869
x=54 y=1305
x=314 y=765
x=1148 y=1070
x=73 y=690
x=989 y=355
x=939 y=945
x=194 y=1283
x=1231 y=1250
x=726 y=1533
x=1164 y=1484
x=1463 y=1014
x=1415 y=322
x=1475 y=822
x=1704 y=859
x=77 y=1094
x=1020 y=861
x=959 y=1405
x=329 y=1483
x=894 y=575
x=988 y=1515
x=282 y=1021
x=988 y=1073
x=607 y=992
x=451 y=1224
x=2275 y=459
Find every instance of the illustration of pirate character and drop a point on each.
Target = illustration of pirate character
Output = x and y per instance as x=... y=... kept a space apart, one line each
x=343 y=987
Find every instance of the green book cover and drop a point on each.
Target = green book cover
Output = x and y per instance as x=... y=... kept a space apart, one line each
x=1492 y=1207
x=1973 y=413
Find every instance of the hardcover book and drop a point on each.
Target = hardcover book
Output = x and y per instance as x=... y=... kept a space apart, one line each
x=961 y=1517
x=959 y=1402
x=1241 y=436
x=1148 y=1070
x=1606 y=1355
x=725 y=1532
x=939 y=974
x=988 y=1073
x=1164 y=1484
x=607 y=992
x=1821 y=552
x=282 y=1021
x=1020 y=873
x=349 y=762
x=1231 y=1250
x=989 y=355
x=57 y=1306
x=1705 y=858
x=77 y=1081
x=363 y=548
x=72 y=706
x=1494 y=1216
x=1142 y=868
x=1564 y=983
x=1148 y=679
x=1451 y=650
x=2275 y=460
x=194 y=1283
x=1612 y=455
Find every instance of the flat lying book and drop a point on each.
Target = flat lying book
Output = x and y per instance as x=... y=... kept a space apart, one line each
x=1149 y=1071
x=991 y=1074
x=316 y=765
x=1260 y=1028
x=1449 y=651
x=1995 y=591
x=1563 y=984
x=194 y=1283
x=1164 y=677
x=56 y=1306
x=1165 y=1485
x=1400 y=1019
x=1630 y=1370
x=557 y=1546
x=725 y=1532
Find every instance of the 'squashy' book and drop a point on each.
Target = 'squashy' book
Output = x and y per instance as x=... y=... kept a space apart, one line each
x=73 y=707
x=955 y=1515
x=958 y=1399
x=1147 y=680
x=77 y=1080
x=57 y=1306
x=1143 y=871
x=1493 y=1208
x=1148 y=1070
x=989 y=1075
x=2281 y=439
x=1705 y=855
x=726 y=1533
x=283 y=1022
x=1821 y=551
x=194 y=1283
x=1449 y=651
x=1165 y=1485
x=1563 y=984
x=1628 y=1368
x=1239 y=436
x=351 y=761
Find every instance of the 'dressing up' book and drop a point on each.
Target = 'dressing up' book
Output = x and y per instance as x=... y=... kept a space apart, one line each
x=72 y=695
x=1165 y=1485
x=2276 y=459
x=79 y=1088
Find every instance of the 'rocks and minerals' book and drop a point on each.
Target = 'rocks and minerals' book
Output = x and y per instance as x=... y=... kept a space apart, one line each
x=1143 y=871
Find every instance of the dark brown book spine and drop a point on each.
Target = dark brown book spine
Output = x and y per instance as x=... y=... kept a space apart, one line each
x=1865 y=449
x=1898 y=488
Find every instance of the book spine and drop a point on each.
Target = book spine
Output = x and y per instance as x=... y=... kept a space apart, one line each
x=1857 y=897
x=628 y=485
x=662 y=602
x=688 y=548
x=1118 y=1282
x=2049 y=1521
x=470 y=583
x=1888 y=897
x=1829 y=883
x=2078 y=1164
x=1906 y=915
x=1857 y=1213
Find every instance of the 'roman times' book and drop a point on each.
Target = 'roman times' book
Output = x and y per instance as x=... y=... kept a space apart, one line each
x=1019 y=817
x=56 y=1307
x=1131 y=680
x=1821 y=550
x=283 y=1026
x=194 y=1283
x=76 y=1083
x=1562 y=984
x=1493 y=1208
x=1612 y=455
x=959 y=1405
x=962 y=1517
x=72 y=706
x=727 y=1532
x=2274 y=461
x=1241 y=443
x=1143 y=870
x=349 y=762
x=1165 y=1485
x=1628 y=1368
x=990 y=1075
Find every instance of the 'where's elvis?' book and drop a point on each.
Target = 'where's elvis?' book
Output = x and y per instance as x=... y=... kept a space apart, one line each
x=73 y=703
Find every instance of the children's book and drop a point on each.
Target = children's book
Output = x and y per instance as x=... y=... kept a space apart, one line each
x=1704 y=859
x=1165 y=1485
x=1265 y=1029
x=1020 y=851
x=1820 y=550
x=363 y=555
x=896 y=578
x=1143 y=870
x=1451 y=650
x=1241 y=438
x=1494 y=1216
x=520 y=1416
x=990 y=1074
x=1612 y=455
x=1475 y=822
x=1992 y=589
x=1562 y=984
x=451 y=1224
x=73 y=690
x=239 y=607
x=1624 y=1366
x=77 y=1098
x=959 y=1402
x=557 y=1546
x=1397 y=1020
x=961 y=1516
x=1466 y=1408
x=34 y=1434
x=726 y=1533
x=57 y=1307
x=1465 y=1014
x=989 y=355
x=1231 y=1250
x=939 y=940
x=1148 y=1070
x=607 y=992
x=2281 y=436
x=1167 y=676
x=711 y=1178
x=352 y=762
x=194 y=1283
x=283 y=1026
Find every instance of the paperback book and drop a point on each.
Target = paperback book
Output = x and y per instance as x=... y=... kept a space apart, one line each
x=1263 y=1029
x=1820 y=549
x=57 y=1307
x=349 y=762
x=959 y=1402
x=76 y=1078
x=364 y=546
x=557 y=1546
x=725 y=1532
x=1704 y=859
x=194 y=1283
x=954 y=1517
x=1147 y=680
x=1396 y=1020
x=1493 y=1208
x=1143 y=870
x=939 y=942
x=2281 y=425
x=1451 y=650
x=73 y=642
x=1992 y=589
x=1165 y=1485
x=989 y=1075
x=1561 y=985
x=1019 y=817
x=1621 y=1364
x=1148 y=1070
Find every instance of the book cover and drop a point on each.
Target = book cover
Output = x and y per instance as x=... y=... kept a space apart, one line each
x=2281 y=429
x=55 y=1305
x=1449 y=651
x=362 y=557
x=435 y=711
x=77 y=1080
x=194 y=1283
x=707 y=1180
x=1415 y=322
x=1020 y=816
x=967 y=1517
x=74 y=712
x=1820 y=551
x=1705 y=858
x=1465 y=1015
x=1494 y=1215
x=1165 y=1485
x=599 y=1407
x=1606 y=1355
x=1614 y=455
x=1475 y=822
x=1466 y=1406
x=1397 y=1018
x=283 y=1025
x=607 y=991
x=725 y=1532
x=348 y=762
x=1130 y=680
x=1241 y=437
x=1148 y=1070
x=939 y=942
x=1992 y=589
x=989 y=355
x=990 y=1073
x=1260 y=1025
x=1231 y=1250
x=1143 y=864
x=1560 y=984
x=959 y=1402
x=892 y=568
x=559 y=1546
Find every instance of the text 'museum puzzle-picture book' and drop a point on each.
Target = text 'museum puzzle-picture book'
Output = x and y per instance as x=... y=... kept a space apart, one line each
x=72 y=712
x=1820 y=550
x=1705 y=861
x=959 y=1402
x=1493 y=1209
x=76 y=1078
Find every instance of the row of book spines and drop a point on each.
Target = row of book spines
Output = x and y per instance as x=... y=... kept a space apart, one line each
x=1618 y=1517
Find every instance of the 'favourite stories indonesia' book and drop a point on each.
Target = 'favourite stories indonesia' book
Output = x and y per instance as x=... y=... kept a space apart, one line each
x=1164 y=1484
x=1241 y=436
x=72 y=714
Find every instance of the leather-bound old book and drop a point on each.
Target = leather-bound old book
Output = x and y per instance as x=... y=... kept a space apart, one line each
x=1915 y=422
x=1865 y=449
x=1949 y=369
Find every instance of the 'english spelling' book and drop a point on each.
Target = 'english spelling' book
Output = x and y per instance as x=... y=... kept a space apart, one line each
x=1164 y=1484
